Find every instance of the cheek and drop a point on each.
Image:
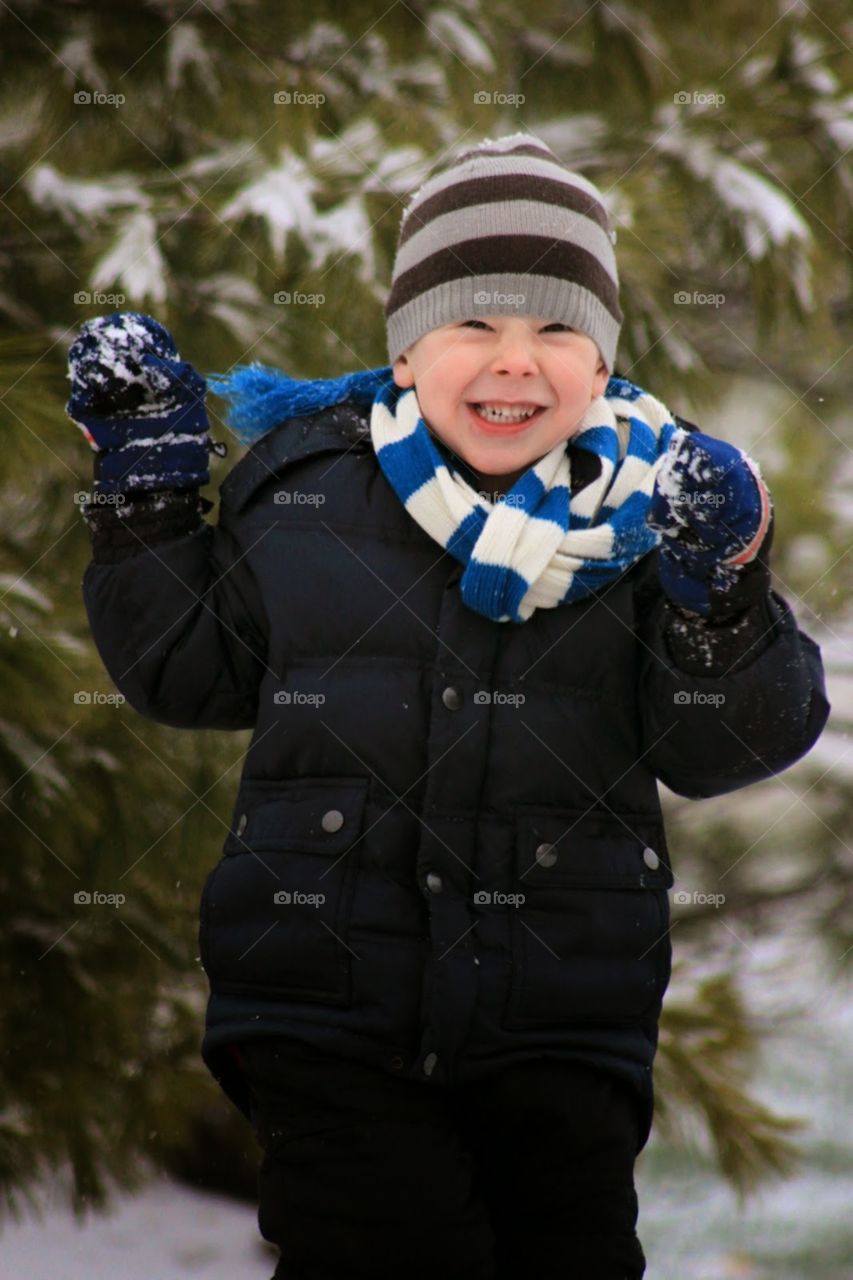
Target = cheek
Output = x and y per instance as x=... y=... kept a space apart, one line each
x=447 y=399
x=575 y=380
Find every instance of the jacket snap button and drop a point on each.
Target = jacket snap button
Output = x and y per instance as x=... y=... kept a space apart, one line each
x=545 y=855
x=452 y=698
x=242 y=823
x=429 y=1063
x=397 y=1063
x=332 y=820
x=434 y=882
x=651 y=859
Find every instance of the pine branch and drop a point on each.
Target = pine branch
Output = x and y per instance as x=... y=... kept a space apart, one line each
x=706 y=1051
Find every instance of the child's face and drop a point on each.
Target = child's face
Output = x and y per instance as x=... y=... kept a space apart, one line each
x=520 y=359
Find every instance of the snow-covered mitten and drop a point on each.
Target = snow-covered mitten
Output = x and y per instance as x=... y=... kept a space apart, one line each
x=714 y=513
x=139 y=405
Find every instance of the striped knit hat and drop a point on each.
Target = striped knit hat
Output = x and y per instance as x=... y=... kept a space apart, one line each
x=507 y=229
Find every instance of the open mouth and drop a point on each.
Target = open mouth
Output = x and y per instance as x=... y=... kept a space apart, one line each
x=505 y=419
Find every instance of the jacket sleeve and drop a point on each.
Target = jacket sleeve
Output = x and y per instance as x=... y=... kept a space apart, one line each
x=727 y=705
x=175 y=610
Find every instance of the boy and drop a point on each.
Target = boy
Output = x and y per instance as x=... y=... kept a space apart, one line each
x=474 y=605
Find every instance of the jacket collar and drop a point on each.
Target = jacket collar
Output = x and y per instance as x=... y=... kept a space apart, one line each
x=333 y=430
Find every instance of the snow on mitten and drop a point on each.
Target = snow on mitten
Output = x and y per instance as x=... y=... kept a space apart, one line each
x=714 y=513
x=139 y=405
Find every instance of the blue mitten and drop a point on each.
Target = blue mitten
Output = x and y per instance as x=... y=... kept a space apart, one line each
x=714 y=511
x=139 y=405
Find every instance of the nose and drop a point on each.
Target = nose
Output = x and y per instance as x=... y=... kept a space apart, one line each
x=515 y=355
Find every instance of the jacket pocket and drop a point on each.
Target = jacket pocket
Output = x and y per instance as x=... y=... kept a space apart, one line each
x=275 y=910
x=590 y=928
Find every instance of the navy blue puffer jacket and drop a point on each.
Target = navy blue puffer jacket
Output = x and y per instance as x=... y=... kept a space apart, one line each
x=447 y=851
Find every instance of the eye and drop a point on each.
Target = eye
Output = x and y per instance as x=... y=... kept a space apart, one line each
x=465 y=323
x=565 y=327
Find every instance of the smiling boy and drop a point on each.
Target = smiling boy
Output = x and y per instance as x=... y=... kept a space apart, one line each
x=437 y=938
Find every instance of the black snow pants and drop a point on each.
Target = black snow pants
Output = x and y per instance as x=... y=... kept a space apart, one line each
x=365 y=1176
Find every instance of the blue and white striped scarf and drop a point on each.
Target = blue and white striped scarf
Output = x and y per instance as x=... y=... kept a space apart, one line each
x=537 y=547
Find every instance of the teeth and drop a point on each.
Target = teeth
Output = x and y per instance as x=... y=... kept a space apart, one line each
x=495 y=413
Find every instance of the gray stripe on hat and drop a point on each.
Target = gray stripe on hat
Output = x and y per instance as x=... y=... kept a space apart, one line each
x=545 y=296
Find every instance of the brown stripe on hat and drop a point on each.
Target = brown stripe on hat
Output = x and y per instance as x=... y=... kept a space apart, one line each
x=501 y=166
x=487 y=190
x=492 y=255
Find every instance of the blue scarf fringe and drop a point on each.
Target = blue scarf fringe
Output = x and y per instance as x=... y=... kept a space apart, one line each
x=260 y=397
